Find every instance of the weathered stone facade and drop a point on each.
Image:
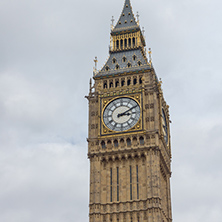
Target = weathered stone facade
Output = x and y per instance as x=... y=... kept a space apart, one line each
x=129 y=170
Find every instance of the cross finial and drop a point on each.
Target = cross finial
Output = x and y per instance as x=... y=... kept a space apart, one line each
x=138 y=17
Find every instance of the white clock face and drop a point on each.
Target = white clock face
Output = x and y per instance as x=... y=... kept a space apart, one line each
x=121 y=114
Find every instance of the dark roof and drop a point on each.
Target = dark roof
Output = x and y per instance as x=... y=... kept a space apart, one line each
x=127 y=20
x=126 y=61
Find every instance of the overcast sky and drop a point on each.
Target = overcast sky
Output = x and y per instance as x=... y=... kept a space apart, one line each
x=47 y=49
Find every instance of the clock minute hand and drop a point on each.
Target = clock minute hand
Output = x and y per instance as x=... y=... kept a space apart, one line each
x=126 y=112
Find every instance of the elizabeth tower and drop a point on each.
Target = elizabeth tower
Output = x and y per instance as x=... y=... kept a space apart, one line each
x=129 y=134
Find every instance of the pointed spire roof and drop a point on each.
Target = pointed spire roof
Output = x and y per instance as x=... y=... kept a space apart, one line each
x=126 y=20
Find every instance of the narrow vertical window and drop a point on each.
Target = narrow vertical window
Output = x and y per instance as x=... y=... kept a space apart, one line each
x=117 y=172
x=111 y=185
x=137 y=181
x=131 y=186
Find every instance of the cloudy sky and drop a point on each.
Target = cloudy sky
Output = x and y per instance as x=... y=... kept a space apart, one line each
x=47 y=49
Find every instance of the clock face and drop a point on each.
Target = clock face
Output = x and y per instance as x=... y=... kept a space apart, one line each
x=164 y=124
x=121 y=114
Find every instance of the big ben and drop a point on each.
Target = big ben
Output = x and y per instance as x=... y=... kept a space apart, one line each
x=129 y=134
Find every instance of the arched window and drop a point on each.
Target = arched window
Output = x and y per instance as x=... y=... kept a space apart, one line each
x=103 y=145
x=124 y=59
x=116 y=143
x=128 y=82
x=109 y=144
x=129 y=65
x=114 y=60
x=111 y=85
x=141 y=140
x=139 y=63
x=117 y=66
x=128 y=142
x=123 y=82
x=129 y=42
x=134 y=81
x=134 y=57
x=117 y=83
x=121 y=43
x=105 y=85
x=117 y=44
x=134 y=42
x=140 y=80
x=125 y=43
x=107 y=68
x=134 y=140
x=122 y=142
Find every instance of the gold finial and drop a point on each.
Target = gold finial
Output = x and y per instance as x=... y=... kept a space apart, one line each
x=150 y=57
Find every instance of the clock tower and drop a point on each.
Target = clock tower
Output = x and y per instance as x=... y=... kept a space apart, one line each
x=129 y=135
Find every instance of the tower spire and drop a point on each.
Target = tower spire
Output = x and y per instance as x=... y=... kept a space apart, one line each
x=126 y=20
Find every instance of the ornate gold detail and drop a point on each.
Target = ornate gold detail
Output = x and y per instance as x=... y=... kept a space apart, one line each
x=137 y=127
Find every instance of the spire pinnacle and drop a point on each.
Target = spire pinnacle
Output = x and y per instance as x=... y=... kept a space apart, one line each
x=126 y=20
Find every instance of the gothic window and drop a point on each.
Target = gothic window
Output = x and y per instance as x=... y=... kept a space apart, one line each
x=139 y=63
x=116 y=143
x=134 y=81
x=141 y=140
x=137 y=180
x=129 y=65
x=124 y=59
x=109 y=144
x=111 y=85
x=122 y=142
x=131 y=185
x=117 y=66
x=117 y=44
x=105 y=85
x=107 y=68
x=140 y=80
x=134 y=42
x=111 y=185
x=114 y=60
x=129 y=42
x=123 y=82
x=121 y=43
x=117 y=179
x=128 y=141
x=103 y=144
x=134 y=57
x=134 y=140
x=128 y=82
x=117 y=83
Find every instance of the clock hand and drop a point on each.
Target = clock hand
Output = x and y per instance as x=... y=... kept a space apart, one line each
x=126 y=112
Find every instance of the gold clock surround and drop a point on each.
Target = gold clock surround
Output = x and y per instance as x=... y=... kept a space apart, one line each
x=104 y=130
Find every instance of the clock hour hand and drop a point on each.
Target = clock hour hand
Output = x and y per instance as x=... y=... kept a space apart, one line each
x=126 y=112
